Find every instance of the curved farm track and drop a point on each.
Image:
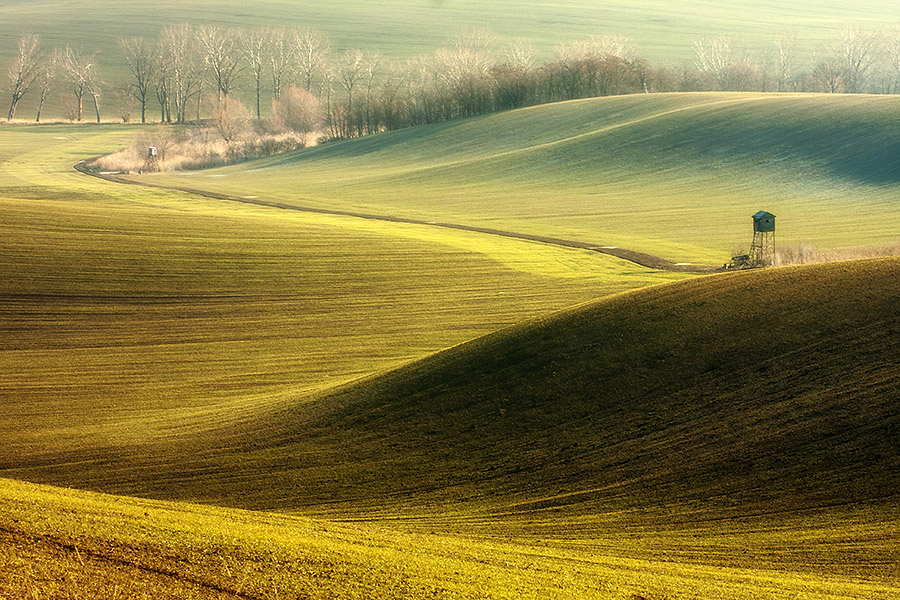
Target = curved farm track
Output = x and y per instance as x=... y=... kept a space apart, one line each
x=640 y=258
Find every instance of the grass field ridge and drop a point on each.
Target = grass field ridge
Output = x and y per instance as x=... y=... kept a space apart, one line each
x=414 y=411
x=525 y=149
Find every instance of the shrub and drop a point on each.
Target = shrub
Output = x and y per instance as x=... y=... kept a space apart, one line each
x=231 y=136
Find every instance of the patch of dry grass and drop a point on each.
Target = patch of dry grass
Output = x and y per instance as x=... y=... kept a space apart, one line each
x=195 y=148
x=802 y=254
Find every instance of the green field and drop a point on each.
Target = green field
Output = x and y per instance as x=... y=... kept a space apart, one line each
x=529 y=464
x=221 y=384
x=325 y=406
x=134 y=313
x=131 y=548
x=675 y=175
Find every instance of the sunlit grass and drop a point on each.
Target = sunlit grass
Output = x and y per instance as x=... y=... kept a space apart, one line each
x=726 y=437
x=131 y=313
x=672 y=175
x=57 y=542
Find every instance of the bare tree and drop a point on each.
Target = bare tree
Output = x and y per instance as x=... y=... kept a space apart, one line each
x=371 y=71
x=179 y=71
x=349 y=75
x=94 y=87
x=521 y=55
x=391 y=104
x=312 y=49
x=80 y=71
x=139 y=56
x=24 y=69
x=567 y=72
x=256 y=48
x=729 y=64
x=465 y=68
x=221 y=57
x=327 y=90
x=856 y=51
x=609 y=45
x=828 y=74
x=892 y=48
x=162 y=86
x=422 y=88
x=606 y=64
x=513 y=78
x=282 y=59
x=232 y=121
x=787 y=53
x=297 y=110
x=716 y=58
x=45 y=77
x=125 y=105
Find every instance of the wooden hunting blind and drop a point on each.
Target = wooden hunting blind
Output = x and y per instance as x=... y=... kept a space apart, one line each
x=151 y=165
x=764 y=222
x=762 y=250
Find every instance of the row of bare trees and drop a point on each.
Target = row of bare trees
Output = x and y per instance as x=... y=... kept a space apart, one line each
x=472 y=75
x=176 y=67
x=173 y=70
x=858 y=60
x=362 y=93
x=30 y=68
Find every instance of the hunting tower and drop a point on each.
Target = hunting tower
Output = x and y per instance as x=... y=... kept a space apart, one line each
x=762 y=250
x=152 y=164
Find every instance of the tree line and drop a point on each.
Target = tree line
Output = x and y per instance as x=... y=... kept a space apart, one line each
x=189 y=72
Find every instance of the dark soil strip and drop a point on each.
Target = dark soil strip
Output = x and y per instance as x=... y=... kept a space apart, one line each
x=161 y=571
x=645 y=260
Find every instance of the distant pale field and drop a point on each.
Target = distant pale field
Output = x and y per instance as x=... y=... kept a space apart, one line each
x=676 y=175
x=663 y=31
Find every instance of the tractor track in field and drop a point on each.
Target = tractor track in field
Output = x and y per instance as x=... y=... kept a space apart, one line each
x=639 y=258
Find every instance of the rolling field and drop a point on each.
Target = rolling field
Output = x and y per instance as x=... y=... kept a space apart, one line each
x=134 y=314
x=590 y=409
x=234 y=400
x=674 y=175
x=131 y=548
x=728 y=460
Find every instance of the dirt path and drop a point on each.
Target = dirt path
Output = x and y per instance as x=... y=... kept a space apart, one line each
x=640 y=258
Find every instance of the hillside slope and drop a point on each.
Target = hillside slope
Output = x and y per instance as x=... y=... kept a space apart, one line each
x=727 y=396
x=57 y=543
x=674 y=175
x=765 y=391
x=734 y=436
